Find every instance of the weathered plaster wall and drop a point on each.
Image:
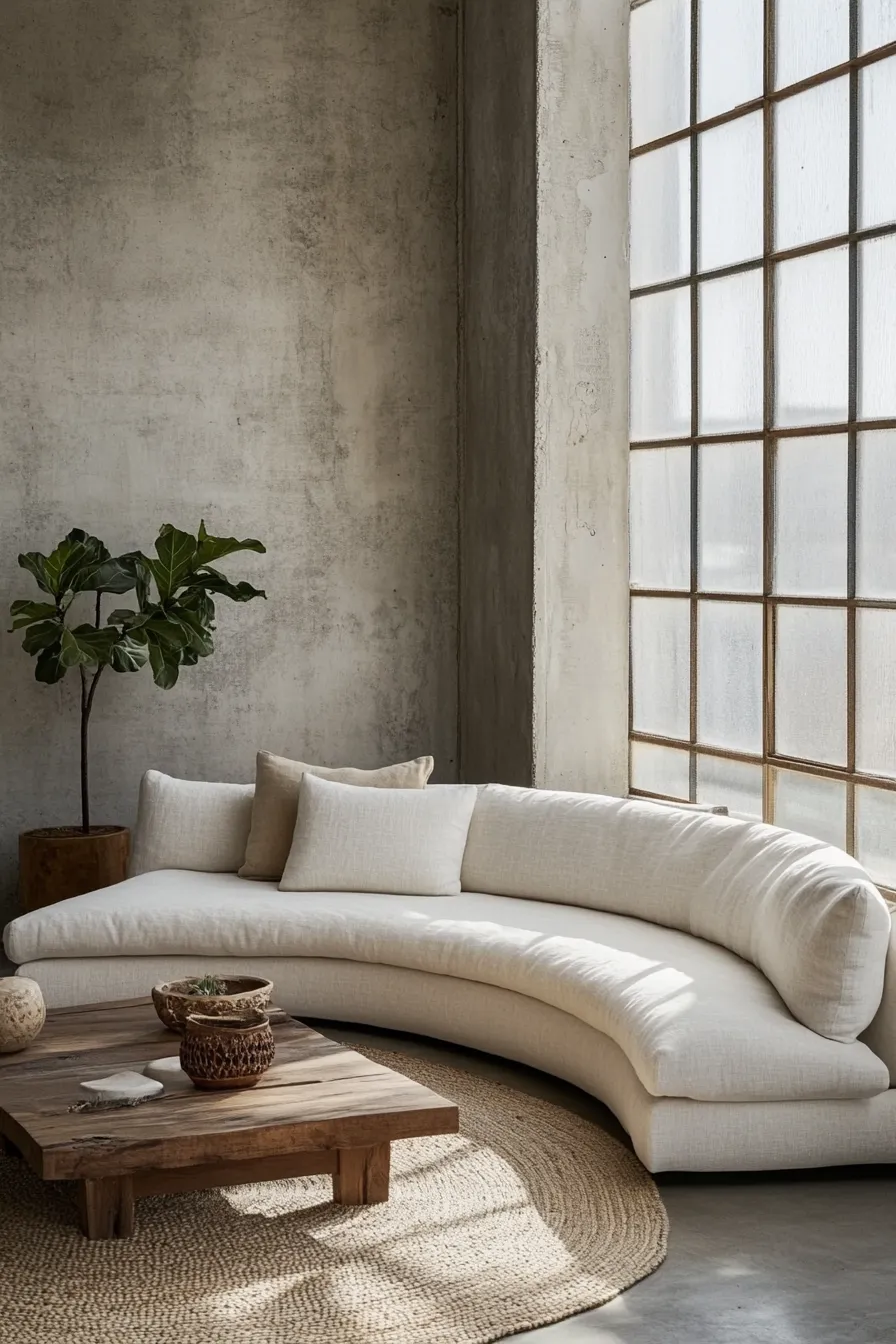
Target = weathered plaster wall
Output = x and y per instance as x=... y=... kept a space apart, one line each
x=497 y=489
x=228 y=289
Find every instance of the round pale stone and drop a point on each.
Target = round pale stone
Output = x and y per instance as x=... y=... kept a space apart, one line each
x=22 y=1012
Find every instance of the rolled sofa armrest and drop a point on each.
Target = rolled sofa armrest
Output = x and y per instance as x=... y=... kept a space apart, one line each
x=880 y=1037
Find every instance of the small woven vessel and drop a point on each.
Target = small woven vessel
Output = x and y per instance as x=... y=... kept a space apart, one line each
x=241 y=994
x=219 y=1053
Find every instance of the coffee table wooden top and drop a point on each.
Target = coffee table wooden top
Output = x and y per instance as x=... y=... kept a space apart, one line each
x=317 y=1095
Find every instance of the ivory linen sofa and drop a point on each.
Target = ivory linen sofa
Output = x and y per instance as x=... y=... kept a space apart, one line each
x=727 y=988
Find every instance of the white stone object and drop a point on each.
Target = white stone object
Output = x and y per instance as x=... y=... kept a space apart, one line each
x=168 y=1072
x=22 y=1012
x=128 y=1085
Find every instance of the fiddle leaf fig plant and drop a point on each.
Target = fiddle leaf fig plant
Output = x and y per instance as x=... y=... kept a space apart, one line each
x=170 y=627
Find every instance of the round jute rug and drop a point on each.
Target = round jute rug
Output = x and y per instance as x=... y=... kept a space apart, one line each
x=528 y=1215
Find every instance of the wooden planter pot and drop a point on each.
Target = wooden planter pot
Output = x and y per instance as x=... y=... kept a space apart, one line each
x=62 y=861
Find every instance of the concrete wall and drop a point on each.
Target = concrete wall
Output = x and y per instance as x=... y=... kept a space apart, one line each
x=581 y=478
x=497 y=487
x=228 y=289
x=544 y=548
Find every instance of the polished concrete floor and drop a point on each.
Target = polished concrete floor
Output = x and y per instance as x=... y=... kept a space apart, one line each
x=808 y=1258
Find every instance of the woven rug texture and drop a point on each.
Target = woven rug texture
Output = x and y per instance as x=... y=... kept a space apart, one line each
x=529 y=1215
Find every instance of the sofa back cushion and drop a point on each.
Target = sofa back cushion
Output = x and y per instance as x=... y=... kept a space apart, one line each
x=278 y=782
x=406 y=842
x=881 y=1035
x=806 y=914
x=184 y=823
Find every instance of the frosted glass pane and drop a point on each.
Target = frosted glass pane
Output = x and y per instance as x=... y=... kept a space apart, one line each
x=811 y=516
x=812 y=339
x=660 y=68
x=731 y=193
x=877 y=329
x=877 y=23
x=661 y=215
x=876 y=692
x=876 y=833
x=813 y=35
x=661 y=770
x=731 y=54
x=812 y=165
x=731 y=360
x=661 y=666
x=810 y=684
x=661 y=364
x=660 y=509
x=876 y=511
x=811 y=805
x=731 y=517
x=733 y=783
x=877 y=180
x=729 y=675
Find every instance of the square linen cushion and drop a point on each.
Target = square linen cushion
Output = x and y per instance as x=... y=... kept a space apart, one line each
x=277 y=785
x=407 y=842
x=184 y=823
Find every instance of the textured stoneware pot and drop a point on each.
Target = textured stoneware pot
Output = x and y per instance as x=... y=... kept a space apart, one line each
x=221 y=1053
x=63 y=861
x=22 y=1012
x=242 y=994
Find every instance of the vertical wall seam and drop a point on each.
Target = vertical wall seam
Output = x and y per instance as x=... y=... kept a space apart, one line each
x=461 y=401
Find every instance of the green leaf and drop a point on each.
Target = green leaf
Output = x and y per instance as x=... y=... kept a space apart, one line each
x=215 y=548
x=113 y=576
x=86 y=555
x=36 y=564
x=177 y=554
x=50 y=667
x=166 y=630
x=95 y=645
x=130 y=653
x=198 y=637
x=69 y=567
x=165 y=664
x=237 y=592
x=198 y=600
x=136 y=564
x=42 y=636
x=70 y=652
x=26 y=613
x=123 y=616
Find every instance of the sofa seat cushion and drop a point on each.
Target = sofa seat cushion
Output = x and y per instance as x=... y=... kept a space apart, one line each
x=694 y=1019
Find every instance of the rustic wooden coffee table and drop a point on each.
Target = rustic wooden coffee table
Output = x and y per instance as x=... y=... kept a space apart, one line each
x=321 y=1108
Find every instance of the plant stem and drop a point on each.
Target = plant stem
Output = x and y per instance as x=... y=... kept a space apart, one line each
x=87 y=694
x=85 y=801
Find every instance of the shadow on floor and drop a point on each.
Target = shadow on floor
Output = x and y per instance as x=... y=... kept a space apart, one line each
x=804 y=1257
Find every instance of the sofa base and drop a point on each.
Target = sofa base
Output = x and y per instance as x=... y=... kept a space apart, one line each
x=668 y=1133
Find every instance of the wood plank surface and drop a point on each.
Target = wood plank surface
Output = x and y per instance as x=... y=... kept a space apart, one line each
x=317 y=1095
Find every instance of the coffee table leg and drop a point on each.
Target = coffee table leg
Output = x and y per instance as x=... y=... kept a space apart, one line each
x=362 y=1175
x=107 y=1208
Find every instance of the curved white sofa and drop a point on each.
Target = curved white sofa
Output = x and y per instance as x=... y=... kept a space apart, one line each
x=719 y=984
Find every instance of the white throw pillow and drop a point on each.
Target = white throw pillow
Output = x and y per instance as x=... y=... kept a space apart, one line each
x=184 y=823
x=408 y=842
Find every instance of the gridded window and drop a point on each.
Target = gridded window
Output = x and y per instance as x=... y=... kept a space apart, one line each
x=763 y=412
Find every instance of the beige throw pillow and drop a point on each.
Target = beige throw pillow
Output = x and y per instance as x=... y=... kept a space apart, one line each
x=276 y=803
x=406 y=842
